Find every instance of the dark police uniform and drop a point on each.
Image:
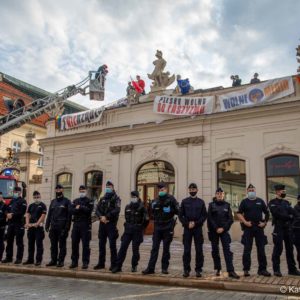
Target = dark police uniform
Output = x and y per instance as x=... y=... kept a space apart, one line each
x=82 y=229
x=296 y=230
x=109 y=207
x=59 y=222
x=136 y=220
x=36 y=235
x=15 y=228
x=283 y=215
x=3 y=211
x=164 y=208
x=220 y=216
x=253 y=211
x=193 y=210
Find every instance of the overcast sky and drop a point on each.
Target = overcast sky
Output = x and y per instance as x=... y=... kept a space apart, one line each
x=54 y=43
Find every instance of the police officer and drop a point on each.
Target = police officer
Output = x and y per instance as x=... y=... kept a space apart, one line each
x=3 y=212
x=192 y=216
x=58 y=222
x=250 y=214
x=15 y=216
x=108 y=210
x=136 y=220
x=219 y=221
x=164 y=208
x=283 y=215
x=81 y=209
x=35 y=218
x=296 y=229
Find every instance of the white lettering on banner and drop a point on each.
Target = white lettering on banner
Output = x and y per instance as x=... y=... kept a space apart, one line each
x=183 y=105
x=257 y=93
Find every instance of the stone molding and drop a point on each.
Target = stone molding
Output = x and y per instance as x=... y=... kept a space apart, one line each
x=118 y=149
x=196 y=140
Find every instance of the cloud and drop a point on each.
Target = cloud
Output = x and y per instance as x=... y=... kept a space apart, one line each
x=53 y=44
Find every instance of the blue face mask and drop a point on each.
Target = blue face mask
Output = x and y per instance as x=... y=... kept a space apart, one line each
x=15 y=195
x=251 y=195
x=161 y=194
x=108 y=190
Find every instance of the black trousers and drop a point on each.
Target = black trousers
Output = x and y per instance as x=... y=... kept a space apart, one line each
x=166 y=236
x=280 y=236
x=134 y=236
x=58 y=239
x=248 y=236
x=2 y=233
x=108 y=231
x=188 y=236
x=15 y=231
x=81 y=232
x=35 y=238
x=228 y=255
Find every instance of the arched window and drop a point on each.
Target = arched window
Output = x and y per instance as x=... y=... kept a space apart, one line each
x=93 y=182
x=65 y=179
x=16 y=146
x=231 y=177
x=283 y=169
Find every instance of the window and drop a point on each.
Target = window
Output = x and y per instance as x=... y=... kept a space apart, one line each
x=65 y=179
x=40 y=161
x=283 y=169
x=93 y=182
x=232 y=179
x=16 y=146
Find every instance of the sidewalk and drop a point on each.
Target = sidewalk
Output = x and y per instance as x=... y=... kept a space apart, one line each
x=254 y=283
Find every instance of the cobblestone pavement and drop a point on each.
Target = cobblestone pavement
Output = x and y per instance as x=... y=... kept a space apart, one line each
x=16 y=286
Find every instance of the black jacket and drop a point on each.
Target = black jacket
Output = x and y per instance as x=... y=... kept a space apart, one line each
x=192 y=209
x=18 y=208
x=3 y=212
x=136 y=216
x=35 y=210
x=109 y=207
x=282 y=212
x=85 y=210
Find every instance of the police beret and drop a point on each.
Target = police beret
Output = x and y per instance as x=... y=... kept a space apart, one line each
x=219 y=190
x=36 y=193
x=251 y=186
x=298 y=198
x=161 y=185
x=17 y=189
x=59 y=186
x=82 y=187
x=193 y=186
x=135 y=194
x=279 y=187
x=109 y=183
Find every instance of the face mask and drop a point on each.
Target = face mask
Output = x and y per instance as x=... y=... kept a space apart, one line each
x=59 y=194
x=36 y=200
x=82 y=195
x=108 y=190
x=193 y=194
x=283 y=195
x=134 y=200
x=161 y=194
x=16 y=195
x=251 y=195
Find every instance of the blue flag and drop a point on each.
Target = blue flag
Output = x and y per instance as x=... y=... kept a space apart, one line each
x=184 y=85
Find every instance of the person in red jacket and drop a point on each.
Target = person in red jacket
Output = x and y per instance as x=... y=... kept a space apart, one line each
x=141 y=83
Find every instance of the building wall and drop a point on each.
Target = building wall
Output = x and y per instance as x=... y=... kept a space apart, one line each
x=250 y=134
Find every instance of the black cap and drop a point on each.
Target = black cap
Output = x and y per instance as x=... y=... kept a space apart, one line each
x=193 y=186
x=109 y=183
x=279 y=187
x=298 y=198
x=59 y=186
x=82 y=187
x=251 y=186
x=135 y=194
x=36 y=193
x=161 y=185
x=17 y=189
x=219 y=190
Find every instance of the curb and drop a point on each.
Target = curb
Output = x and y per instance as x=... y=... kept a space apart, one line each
x=148 y=279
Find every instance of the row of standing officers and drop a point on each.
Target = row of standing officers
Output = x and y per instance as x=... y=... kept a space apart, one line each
x=253 y=214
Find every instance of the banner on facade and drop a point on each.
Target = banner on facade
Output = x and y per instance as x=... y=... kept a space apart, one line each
x=257 y=93
x=183 y=106
x=66 y=122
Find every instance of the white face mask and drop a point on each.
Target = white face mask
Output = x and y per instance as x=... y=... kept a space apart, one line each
x=82 y=194
x=37 y=200
x=134 y=200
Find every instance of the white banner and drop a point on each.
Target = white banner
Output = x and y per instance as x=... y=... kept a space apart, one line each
x=257 y=93
x=66 y=122
x=183 y=106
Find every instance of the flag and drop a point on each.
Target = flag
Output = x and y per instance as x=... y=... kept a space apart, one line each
x=184 y=85
x=137 y=87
